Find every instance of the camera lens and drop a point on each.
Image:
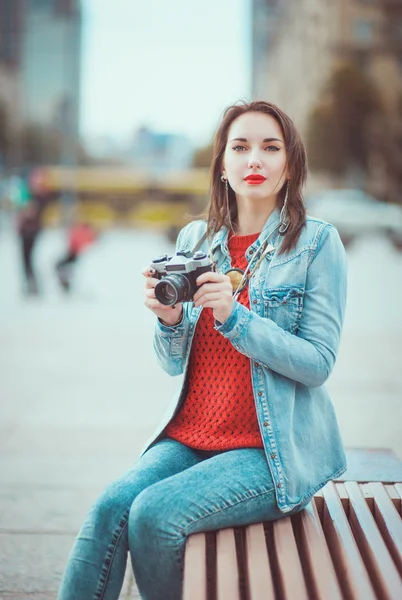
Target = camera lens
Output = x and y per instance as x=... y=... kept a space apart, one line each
x=172 y=289
x=169 y=293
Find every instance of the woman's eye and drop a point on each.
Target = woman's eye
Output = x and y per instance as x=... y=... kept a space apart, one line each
x=240 y=148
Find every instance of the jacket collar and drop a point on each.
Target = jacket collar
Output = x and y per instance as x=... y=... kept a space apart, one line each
x=221 y=237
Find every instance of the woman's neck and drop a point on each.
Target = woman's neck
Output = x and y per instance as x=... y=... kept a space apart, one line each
x=250 y=220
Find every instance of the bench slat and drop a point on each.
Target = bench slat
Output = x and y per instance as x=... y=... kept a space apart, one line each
x=389 y=522
x=395 y=497
x=195 y=568
x=258 y=565
x=321 y=573
x=398 y=487
x=343 y=495
x=227 y=572
x=367 y=493
x=348 y=562
x=319 y=502
x=382 y=570
x=290 y=574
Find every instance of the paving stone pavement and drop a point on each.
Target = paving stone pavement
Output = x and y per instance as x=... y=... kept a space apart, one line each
x=81 y=389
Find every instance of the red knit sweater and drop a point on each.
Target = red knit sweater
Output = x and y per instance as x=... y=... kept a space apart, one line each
x=218 y=412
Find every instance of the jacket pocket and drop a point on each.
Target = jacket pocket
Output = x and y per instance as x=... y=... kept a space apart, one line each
x=284 y=306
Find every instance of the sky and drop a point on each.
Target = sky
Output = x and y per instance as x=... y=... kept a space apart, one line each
x=171 y=65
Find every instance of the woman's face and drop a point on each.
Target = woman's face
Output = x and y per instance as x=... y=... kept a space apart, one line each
x=255 y=157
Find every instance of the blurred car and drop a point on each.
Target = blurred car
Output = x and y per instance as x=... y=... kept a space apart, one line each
x=355 y=213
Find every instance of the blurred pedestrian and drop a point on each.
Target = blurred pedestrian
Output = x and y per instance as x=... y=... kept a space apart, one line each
x=252 y=435
x=80 y=237
x=18 y=191
x=29 y=226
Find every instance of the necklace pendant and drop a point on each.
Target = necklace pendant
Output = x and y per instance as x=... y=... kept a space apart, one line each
x=238 y=279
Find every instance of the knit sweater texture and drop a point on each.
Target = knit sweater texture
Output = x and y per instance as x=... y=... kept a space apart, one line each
x=218 y=412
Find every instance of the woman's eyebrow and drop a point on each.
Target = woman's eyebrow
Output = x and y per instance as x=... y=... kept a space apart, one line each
x=264 y=141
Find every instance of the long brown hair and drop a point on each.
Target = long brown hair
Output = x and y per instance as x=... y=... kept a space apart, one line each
x=296 y=163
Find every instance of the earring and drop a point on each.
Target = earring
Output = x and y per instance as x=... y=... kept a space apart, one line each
x=284 y=217
x=225 y=181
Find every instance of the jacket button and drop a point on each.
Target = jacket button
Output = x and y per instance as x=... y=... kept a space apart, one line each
x=256 y=364
x=254 y=301
x=273 y=455
x=279 y=485
x=251 y=251
x=265 y=423
x=259 y=394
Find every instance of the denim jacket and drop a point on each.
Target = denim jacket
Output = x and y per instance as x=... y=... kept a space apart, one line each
x=291 y=335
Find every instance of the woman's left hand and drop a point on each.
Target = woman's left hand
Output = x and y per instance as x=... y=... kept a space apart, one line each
x=215 y=292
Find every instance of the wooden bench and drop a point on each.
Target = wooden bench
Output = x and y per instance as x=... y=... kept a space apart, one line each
x=345 y=545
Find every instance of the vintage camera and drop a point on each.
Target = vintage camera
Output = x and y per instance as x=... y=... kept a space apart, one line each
x=178 y=275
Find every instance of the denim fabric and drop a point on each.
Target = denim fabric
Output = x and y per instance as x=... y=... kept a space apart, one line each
x=291 y=335
x=171 y=492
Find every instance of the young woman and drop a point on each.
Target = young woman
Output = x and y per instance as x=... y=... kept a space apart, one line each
x=252 y=435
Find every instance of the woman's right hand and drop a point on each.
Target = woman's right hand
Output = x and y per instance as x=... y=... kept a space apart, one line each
x=168 y=314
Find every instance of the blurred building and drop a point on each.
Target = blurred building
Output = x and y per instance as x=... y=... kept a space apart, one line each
x=50 y=67
x=159 y=152
x=10 y=64
x=40 y=56
x=306 y=39
x=265 y=15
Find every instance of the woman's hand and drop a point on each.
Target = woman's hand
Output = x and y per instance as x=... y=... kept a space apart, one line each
x=215 y=292
x=170 y=315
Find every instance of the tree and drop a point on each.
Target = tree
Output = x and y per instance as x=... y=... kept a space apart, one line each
x=42 y=145
x=339 y=127
x=203 y=157
x=5 y=133
x=38 y=145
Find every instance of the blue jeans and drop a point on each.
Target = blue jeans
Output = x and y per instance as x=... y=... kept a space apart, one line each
x=171 y=492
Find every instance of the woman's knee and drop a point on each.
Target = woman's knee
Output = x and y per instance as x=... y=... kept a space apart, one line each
x=152 y=517
x=110 y=510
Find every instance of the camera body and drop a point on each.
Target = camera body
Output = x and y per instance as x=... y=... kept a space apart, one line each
x=178 y=275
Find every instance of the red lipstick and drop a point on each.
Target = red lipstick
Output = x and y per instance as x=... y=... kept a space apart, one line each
x=255 y=179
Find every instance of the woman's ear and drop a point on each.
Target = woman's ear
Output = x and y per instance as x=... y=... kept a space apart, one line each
x=223 y=170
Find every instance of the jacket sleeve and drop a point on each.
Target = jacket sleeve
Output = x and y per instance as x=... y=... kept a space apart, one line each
x=170 y=342
x=307 y=357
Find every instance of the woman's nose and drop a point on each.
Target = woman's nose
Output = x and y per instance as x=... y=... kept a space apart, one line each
x=254 y=161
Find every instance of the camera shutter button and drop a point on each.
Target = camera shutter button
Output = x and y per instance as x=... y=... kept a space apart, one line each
x=162 y=258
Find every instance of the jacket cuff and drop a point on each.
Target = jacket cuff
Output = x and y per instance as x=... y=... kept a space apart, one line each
x=235 y=323
x=169 y=328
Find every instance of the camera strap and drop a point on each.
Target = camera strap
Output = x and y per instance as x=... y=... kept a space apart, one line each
x=238 y=277
x=200 y=243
